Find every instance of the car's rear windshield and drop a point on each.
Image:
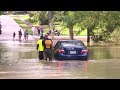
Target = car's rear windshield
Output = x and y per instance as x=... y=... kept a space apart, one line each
x=72 y=43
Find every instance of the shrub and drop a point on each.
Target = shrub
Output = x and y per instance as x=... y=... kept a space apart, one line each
x=115 y=36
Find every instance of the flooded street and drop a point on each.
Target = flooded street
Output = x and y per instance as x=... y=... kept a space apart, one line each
x=19 y=60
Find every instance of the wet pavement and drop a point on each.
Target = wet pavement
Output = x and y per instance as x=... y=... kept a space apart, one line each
x=19 y=60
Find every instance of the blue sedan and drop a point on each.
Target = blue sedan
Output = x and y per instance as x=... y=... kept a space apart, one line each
x=70 y=50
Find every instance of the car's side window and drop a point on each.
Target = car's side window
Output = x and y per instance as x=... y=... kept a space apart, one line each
x=57 y=45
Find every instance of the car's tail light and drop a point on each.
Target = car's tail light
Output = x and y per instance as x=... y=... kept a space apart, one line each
x=84 y=51
x=60 y=51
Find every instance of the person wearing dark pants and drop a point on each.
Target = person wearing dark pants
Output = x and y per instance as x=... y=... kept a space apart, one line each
x=48 y=54
x=40 y=48
x=47 y=43
x=41 y=57
x=20 y=35
x=14 y=36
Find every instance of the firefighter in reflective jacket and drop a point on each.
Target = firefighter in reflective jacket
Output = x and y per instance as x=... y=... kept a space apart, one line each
x=40 y=48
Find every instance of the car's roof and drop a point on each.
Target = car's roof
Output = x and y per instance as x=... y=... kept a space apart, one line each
x=72 y=43
x=70 y=40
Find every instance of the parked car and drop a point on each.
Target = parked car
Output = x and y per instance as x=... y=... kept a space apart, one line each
x=56 y=33
x=70 y=50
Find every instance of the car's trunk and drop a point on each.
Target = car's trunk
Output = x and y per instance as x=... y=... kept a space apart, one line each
x=70 y=50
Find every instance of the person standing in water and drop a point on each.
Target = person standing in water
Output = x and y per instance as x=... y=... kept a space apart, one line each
x=40 y=48
x=20 y=35
x=14 y=36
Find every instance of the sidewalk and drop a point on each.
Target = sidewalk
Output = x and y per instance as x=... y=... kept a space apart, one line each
x=84 y=38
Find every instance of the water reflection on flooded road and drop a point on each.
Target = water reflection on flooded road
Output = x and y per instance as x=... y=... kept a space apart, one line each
x=20 y=61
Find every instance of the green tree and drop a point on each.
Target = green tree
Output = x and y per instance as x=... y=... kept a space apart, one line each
x=93 y=20
x=103 y=21
x=38 y=16
x=69 y=20
x=112 y=21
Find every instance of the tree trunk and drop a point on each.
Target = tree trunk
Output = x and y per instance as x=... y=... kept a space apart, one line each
x=88 y=37
x=89 y=31
x=50 y=16
x=71 y=32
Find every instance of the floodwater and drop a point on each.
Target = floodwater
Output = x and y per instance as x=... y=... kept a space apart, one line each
x=19 y=60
